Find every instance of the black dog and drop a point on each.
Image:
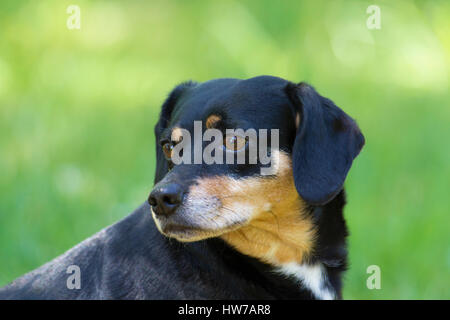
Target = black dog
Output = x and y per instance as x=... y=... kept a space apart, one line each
x=239 y=234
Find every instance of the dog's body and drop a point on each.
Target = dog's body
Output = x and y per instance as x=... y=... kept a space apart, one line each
x=132 y=260
x=240 y=235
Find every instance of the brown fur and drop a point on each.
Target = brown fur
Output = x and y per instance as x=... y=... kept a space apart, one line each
x=176 y=134
x=277 y=230
x=212 y=121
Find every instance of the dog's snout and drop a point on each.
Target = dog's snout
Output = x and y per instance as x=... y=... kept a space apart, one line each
x=166 y=199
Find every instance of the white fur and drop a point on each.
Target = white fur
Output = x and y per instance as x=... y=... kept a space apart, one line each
x=312 y=277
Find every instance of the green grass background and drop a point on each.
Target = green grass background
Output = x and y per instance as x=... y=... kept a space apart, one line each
x=77 y=110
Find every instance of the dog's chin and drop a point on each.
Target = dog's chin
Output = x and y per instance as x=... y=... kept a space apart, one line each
x=187 y=232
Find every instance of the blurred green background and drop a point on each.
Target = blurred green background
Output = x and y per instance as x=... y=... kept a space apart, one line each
x=77 y=110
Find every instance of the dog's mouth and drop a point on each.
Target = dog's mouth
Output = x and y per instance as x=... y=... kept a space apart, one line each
x=185 y=233
x=186 y=230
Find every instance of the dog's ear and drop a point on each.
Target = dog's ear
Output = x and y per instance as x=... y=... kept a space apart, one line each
x=326 y=142
x=163 y=122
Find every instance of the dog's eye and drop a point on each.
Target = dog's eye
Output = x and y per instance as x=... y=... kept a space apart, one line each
x=167 y=149
x=234 y=142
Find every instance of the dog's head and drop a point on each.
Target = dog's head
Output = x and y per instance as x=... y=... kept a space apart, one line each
x=201 y=196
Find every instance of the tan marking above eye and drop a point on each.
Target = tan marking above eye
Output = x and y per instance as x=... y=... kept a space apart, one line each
x=167 y=149
x=234 y=142
x=212 y=120
x=176 y=135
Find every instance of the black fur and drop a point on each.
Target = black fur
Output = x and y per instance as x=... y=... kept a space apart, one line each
x=132 y=260
x=164 y=118
x=326 y=143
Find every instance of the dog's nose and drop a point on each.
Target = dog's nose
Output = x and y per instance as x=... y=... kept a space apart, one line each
x=166 y=199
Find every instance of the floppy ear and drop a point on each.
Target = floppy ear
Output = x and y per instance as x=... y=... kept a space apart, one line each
x=326 y=142
x=164 y=119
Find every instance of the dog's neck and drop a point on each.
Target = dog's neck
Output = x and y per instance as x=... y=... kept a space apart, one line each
x=281 y=235
x=291 y=237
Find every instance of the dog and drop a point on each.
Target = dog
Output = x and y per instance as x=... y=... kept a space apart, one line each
x=221 y=230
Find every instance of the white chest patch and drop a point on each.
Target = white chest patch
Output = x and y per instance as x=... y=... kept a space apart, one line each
x=312 y=277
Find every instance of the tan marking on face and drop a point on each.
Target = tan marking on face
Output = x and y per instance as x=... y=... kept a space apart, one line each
x=176 y=134
x=297 y=120
x=212 y=121
x=272 y=224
